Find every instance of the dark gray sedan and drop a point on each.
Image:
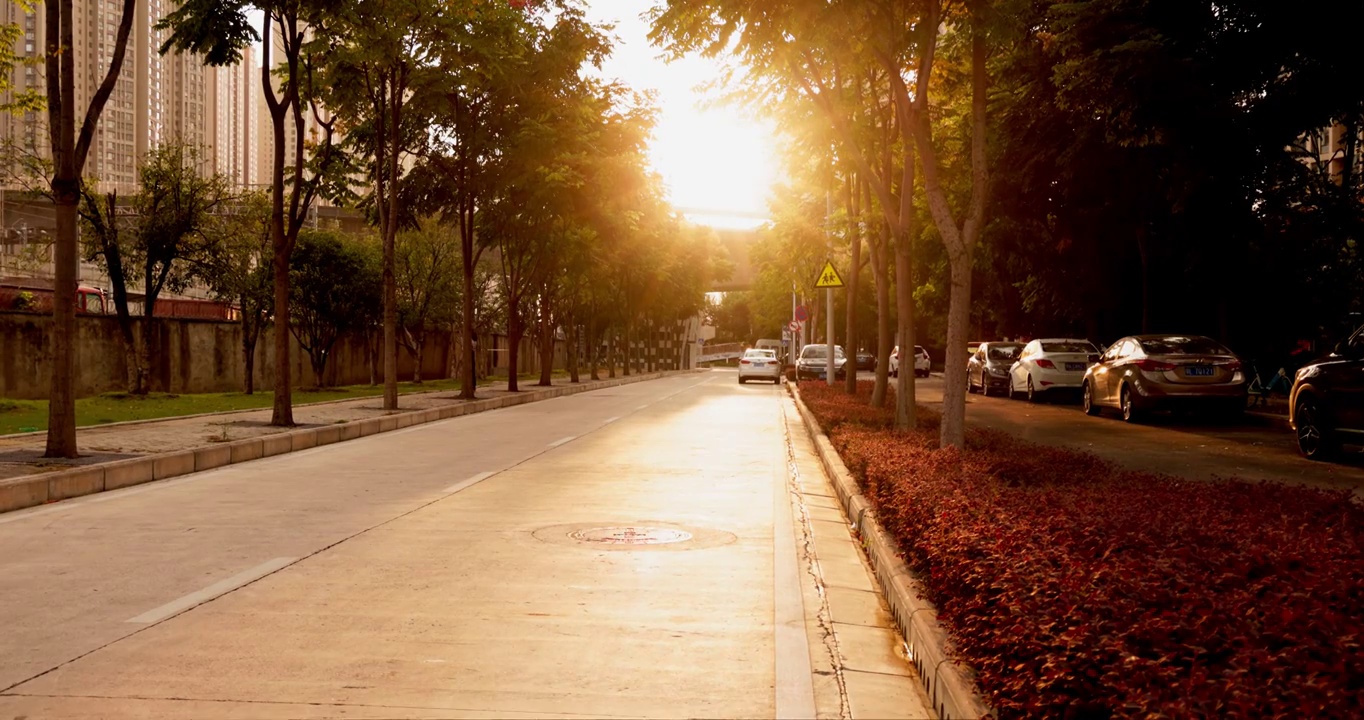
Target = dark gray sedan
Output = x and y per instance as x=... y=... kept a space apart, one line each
x=1142 y=373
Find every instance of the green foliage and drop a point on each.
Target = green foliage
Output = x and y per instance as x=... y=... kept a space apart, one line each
x=334 y=288
x=215 y=29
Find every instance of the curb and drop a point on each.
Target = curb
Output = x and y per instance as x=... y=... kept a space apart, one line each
x=148 y=421
x=42 y=488
x=950 y=688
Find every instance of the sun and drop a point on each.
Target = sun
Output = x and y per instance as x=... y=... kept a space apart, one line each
x=718 y=166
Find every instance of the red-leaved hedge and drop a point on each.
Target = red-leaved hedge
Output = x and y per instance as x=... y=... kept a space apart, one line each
x=1077 y=589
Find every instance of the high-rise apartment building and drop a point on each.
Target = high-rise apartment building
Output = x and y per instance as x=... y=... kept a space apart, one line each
x=157 y=98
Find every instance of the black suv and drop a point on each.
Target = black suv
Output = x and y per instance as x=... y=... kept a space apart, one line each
x=1326 y=407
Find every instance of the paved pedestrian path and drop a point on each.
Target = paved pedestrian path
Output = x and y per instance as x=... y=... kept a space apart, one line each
x=22 y=454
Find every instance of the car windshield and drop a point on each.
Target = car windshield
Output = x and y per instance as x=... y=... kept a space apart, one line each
x=760 y=354
x=819 y=351
x=919 y=350
x=1068 y=347
x=1002 y=353
x=1181 y=345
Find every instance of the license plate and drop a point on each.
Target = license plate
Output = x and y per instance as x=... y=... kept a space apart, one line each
x=1073 y=367
x=758 y=364
x=1197 y=371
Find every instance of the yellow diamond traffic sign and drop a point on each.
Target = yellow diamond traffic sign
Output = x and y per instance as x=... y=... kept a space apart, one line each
x=829 y=277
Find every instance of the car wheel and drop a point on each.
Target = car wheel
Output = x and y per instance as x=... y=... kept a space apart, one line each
x=742 y=380
x=1032 y=394
x=1316 y=441
x=1091 y=407
x=1130 y=412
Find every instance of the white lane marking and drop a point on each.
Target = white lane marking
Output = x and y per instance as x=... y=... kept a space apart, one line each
x=795 y=686
x=611 y=420
x=463 y=484
x=641 y=407
x=562 y=441
x=221 y=587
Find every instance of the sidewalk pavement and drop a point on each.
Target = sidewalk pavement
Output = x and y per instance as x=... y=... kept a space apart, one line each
x=21 y=455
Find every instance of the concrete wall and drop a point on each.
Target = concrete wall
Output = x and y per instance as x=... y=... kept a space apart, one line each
x=198 y=356
x=192 y=356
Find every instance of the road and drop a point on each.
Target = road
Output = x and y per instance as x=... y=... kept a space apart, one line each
x=1182 y=446
x=515 y=563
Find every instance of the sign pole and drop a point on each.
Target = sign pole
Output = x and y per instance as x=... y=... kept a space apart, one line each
x=829 y=335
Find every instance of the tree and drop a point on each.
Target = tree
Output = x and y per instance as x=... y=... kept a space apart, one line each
x=69 y=151
x=241 y=272
x=218 y=30
x=106 y=241
x=335 y=286
x=379 y=57
x=427 y=274
x=165 y=238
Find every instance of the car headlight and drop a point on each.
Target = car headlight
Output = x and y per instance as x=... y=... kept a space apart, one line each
x=998 y=371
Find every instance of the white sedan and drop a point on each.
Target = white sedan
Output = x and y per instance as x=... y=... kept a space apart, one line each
x=759 y=365
x=922 y=363
x=1051 y=364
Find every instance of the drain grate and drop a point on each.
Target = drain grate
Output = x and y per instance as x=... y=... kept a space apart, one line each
x=631 y=535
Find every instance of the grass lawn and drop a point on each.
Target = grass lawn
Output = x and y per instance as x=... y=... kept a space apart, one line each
x=18 y=416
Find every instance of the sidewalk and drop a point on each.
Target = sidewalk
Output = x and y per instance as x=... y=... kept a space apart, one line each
x=21 y=455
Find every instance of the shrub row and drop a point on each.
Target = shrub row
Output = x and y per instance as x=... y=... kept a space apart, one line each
x=1078 y=589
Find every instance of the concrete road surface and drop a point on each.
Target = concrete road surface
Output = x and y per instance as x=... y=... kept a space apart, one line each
x=628 y=552
x=1184 y=446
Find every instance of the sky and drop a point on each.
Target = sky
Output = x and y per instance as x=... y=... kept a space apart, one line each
x=715 y=159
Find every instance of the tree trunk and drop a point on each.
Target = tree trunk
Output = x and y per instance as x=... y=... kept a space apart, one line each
x=546 y=343
x=283 y=413
x=571 y=351
x=61 y=413
x=468 y=376
x=625 y=338
x=954 y=374
x=249 y=363
x=514 y=333
x=420 y=342
x=592 y=345
x=318 y=360
x=611 y=353
x=905 y=413
x=884 y=338
x=850 y=339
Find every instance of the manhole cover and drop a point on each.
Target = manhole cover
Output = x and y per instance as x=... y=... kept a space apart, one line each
x=631 y=535
x=648 y=535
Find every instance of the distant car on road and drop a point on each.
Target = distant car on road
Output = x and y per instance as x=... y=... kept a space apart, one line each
x=1142 y=373
x=922 y=363
x=813 y=362
x=759 y=365
x=1326 y=405
x=988 y=369
x=1051 y=364
x=865 y=360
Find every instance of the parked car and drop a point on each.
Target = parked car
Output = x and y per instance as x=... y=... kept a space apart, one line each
x=1050 y=364
x=922 y=363
x=1326 y=405
x=759 y=365
x=988 y=369
x=1142 y=373
x=865 y=360
x=813 y=362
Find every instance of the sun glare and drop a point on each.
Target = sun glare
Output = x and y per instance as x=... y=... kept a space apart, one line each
x=719 y=166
